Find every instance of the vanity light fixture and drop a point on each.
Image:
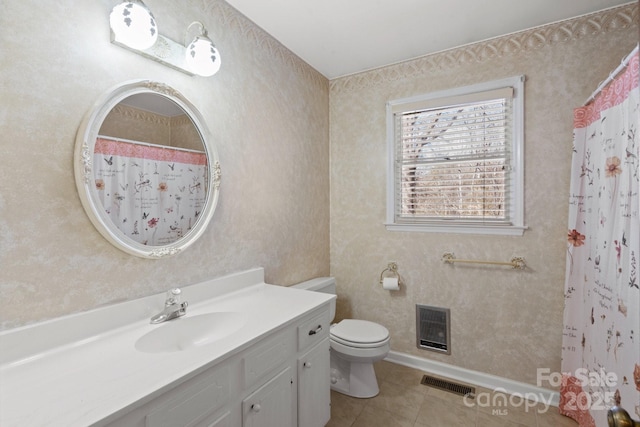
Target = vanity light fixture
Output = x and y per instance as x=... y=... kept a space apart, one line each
x=202 y=55
x=134 y=27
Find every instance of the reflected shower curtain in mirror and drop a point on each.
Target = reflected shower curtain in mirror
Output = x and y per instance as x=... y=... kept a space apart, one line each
x=601 y=337
x=153 y=194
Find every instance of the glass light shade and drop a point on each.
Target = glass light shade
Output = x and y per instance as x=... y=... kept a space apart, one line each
x=133 y=25
x=202 y=57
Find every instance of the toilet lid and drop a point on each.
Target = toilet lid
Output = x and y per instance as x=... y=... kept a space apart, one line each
x=359 y=331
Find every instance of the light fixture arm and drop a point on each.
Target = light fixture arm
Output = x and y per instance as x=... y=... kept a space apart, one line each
x=203 y=32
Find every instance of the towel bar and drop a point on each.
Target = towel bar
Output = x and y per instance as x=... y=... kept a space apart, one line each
x=516 y=261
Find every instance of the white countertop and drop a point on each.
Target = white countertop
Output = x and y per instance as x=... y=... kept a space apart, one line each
x=94 y=373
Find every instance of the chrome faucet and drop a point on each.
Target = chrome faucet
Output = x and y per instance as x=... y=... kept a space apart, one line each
x=172 y=307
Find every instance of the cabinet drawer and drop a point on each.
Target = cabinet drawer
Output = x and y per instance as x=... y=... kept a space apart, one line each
x=193 y=403
x=313 y=330
x=266 y=356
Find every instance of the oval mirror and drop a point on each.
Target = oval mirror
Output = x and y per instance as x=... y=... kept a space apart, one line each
x=146 y=170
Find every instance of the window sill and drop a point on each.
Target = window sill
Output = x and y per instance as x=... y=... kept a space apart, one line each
x=499 y=230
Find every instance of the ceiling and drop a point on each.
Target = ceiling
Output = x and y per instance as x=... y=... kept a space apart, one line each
x=342 y=37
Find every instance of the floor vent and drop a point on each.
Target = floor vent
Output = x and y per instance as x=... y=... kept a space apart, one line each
x=449 y=386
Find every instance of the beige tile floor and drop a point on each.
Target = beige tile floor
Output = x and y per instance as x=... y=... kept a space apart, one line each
x=404 y=402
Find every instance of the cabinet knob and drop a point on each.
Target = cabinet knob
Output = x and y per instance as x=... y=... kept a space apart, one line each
x=307 y=364
x=256 y=407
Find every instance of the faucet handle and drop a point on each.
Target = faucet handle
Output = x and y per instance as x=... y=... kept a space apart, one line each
x=183 y=308
x=173 y=296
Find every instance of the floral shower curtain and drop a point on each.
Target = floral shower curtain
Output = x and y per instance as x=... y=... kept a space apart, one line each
x=601 y=337
x=153 y=194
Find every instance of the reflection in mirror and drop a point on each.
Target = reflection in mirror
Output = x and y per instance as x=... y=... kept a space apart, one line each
x=145 y=172
x=149 y=178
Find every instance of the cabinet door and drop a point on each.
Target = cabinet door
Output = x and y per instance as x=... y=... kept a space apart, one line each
x=223 y=421
x=314 y=394
x=272 y=404
x=194 y=402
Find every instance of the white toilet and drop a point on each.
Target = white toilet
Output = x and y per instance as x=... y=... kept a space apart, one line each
x=355 y=346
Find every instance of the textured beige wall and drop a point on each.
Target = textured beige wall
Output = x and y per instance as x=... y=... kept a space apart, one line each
x=267 y=112
x=503 y=322
x=184 y=134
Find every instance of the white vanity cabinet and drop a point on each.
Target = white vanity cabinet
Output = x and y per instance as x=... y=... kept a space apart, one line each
x=282 y=380
x=269 y=381
x=202 y=401
x=261 y=364
x=283 y=401
x=314 y=395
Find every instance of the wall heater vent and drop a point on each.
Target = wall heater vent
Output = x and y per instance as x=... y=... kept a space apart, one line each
x=433 y=328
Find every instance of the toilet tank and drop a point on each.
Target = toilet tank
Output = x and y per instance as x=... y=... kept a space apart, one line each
x=321 y=284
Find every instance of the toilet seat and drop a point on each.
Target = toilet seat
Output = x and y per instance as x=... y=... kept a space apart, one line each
x=359 y=333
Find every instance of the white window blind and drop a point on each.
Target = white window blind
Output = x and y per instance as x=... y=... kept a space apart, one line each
x=453 y=160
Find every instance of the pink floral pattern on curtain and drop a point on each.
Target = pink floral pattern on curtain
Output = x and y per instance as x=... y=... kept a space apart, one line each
x=601 y=342
x=153 y=194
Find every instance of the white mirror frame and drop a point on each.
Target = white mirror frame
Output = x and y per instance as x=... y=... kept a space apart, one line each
x=84 y=176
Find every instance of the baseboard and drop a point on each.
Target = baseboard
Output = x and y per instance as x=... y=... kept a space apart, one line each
x=479 y=379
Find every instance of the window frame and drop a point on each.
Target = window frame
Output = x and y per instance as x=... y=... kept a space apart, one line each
x=515 y=196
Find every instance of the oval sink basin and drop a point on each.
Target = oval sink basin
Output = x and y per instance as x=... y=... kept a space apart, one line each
x=188 y=332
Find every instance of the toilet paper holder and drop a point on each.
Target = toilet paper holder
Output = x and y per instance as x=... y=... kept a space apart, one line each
x=392 y=268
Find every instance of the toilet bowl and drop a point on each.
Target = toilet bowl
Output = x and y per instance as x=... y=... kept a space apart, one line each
x=354 y=346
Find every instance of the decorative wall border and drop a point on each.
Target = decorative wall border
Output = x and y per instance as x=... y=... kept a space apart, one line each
x=181 y=120
x=141 y=115
x=605 y=21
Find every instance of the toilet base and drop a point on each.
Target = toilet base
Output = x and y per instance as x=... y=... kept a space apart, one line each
x=353 y=379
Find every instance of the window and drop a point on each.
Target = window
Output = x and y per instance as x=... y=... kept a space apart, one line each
x=456 y=160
